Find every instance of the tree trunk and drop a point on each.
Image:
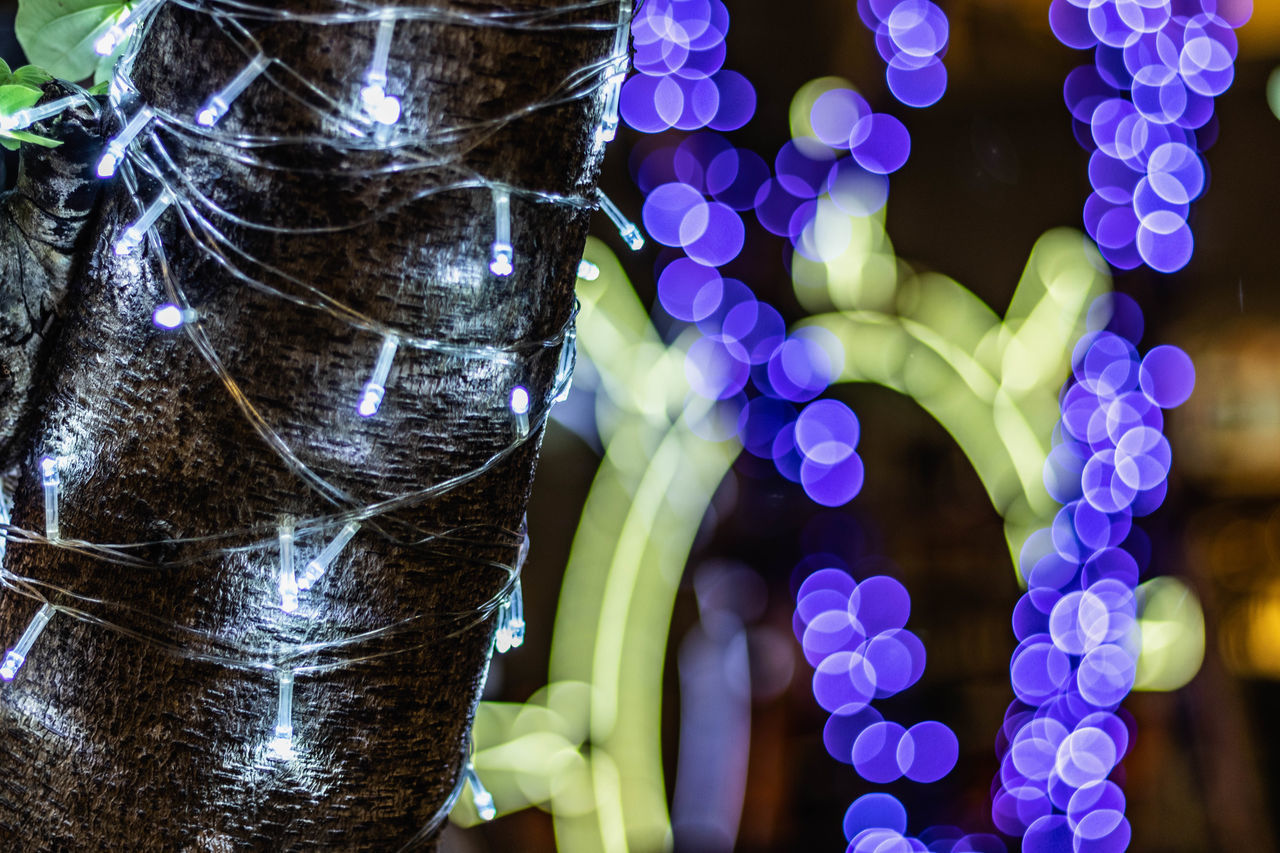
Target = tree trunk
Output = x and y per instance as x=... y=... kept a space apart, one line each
x=142 y=717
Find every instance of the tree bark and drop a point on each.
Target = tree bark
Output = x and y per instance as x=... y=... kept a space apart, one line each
x=142 y=716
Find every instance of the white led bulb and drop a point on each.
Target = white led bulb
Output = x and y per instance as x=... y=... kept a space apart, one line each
x=381 y=107
x=510 y=629
x=51 y=480
x=503 y=255
x=376 y=388
x=627 y=229
x=281 y=747
x=318 y=566
x=18 y=654
x=588 y=271
x=120 y=143
x=288 y=585
x=218 y=104
x=170 y=316
x=31 y=115
x=520 y=408
x=621 y=62
x=137 y=232
x=482 y=799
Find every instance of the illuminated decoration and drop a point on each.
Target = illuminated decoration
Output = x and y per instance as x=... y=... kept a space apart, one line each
x=137 y=232
x=18 y=654
x=150 y=173
x=376 y=388
x=608 y=128
x=1144 y=108
x=120 y=143
x=854 y=636
x=219 y=102
x=520 y=408
x=680 y=81
x=288 y=583
x=1078 y=624
x=318 y=565
x=126 y=21
x=281 y=747
x=19 y=119
x=381 y=107
x=503 y=254
x=585 y=746
x=50 y=481
x=627 y=229
x=911 y=37
x=480 y=796
x=170 y=316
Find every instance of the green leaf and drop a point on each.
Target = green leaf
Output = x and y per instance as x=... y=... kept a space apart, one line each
x=32 y=75
x=5 y=73
x=100 y=88
x=58 y=35
x=35 y=139
x=16 y=96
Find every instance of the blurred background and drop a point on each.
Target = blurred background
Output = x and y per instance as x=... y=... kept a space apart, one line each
x=993 y=166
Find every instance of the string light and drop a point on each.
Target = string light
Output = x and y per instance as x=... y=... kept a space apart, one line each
x=288 y=581
x=564 y=370
x=18 y=654
x=503 y=254
x=29 y=116
x=137 y=232
x=608 y=128
x=198 y=217
x=627 y=229
x=119 y=144
x=170 y=316
x=218 y=104
x=320 y=564
x=381 y=107
x=51 y=480
x=510 y=631
x=480 y=796
x=588 y=271
x=281 y=747
x=124 y=26
x=520 y=408
x=375 y=388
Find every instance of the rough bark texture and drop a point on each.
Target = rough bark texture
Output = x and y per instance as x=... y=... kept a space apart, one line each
x=109 y=741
